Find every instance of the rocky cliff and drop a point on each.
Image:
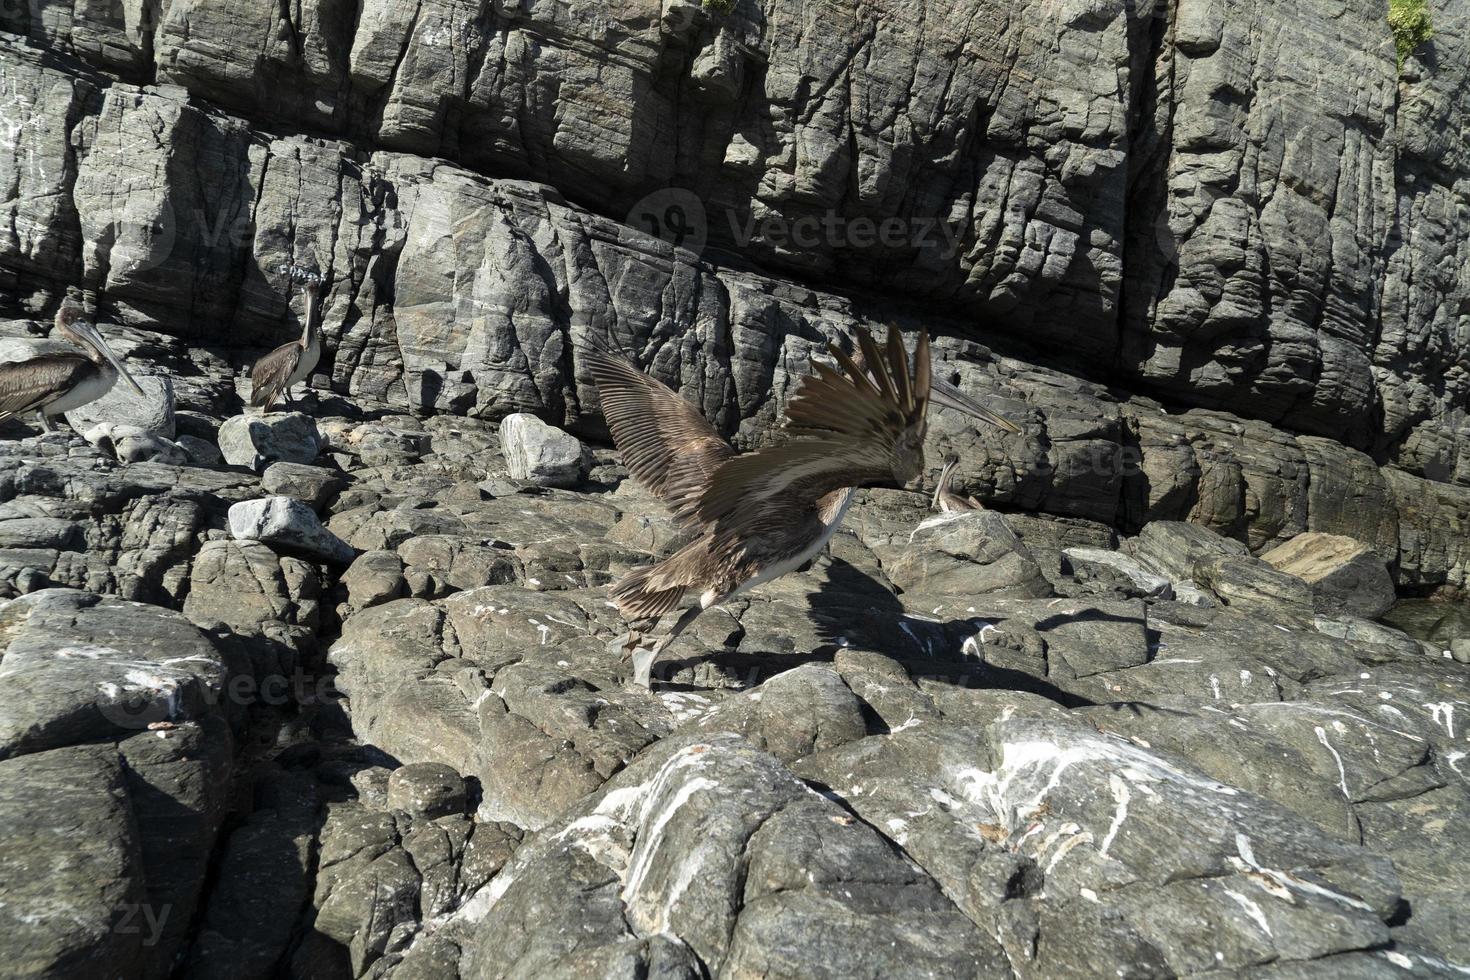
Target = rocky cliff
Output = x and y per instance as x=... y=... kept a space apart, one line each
x=340 y=701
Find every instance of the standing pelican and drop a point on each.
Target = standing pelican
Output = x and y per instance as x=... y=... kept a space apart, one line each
x=288 y=365
x=760 y=515
x=55 y=381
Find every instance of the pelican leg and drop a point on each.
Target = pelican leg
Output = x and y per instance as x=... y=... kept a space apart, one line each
x=643 y=659
x=46 y=424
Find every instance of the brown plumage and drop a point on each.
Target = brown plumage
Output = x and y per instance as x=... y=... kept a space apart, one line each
x=762 y=514
x=945 y=500
x=55 y=381
x=277 y=372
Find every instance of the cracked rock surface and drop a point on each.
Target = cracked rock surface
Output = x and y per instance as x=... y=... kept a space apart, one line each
x=337 y=691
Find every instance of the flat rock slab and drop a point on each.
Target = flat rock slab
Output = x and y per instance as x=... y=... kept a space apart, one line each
x=76 y=667
x=287 y=524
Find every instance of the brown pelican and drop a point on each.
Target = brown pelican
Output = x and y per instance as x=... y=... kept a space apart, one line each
x=57 y=379
x=760 y=515
x=945 y=500
x=277 y=372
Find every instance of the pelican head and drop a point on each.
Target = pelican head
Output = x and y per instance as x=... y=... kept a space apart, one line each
x=83 y=334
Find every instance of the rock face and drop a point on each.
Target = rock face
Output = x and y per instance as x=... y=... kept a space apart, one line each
x=344 y=697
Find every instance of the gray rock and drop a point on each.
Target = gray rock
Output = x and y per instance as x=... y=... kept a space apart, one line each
x=426 y=789
x=1345 y=575
x=1116 y=569
x=82 y=667
x=256 y=441
x=374 y=577
x=1176 y=548
x=1460 y=649
x=1252 y=585
x=969 y=553
x=72 y=867
x=287 y=524
x=312 y=485
x=200 y=452
x=711 y=841
x=151 y=412
x=540 y=453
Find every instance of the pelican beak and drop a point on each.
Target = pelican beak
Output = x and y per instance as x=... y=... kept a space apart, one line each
x=946 y=395
x=95 y=339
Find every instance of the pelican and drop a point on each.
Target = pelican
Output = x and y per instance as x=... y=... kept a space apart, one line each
x=945 y=500
x=288 y=365
x=57 y=379
x=762 y=514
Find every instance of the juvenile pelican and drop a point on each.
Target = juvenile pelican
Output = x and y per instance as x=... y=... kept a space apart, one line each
x=277 y=372
x=56 y=381
x=760 y=515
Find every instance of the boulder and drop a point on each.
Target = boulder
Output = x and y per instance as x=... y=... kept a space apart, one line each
x=539 y=453
x=151 y=412
x=1251 y=585
x=426 y=789
x=1117 y=570
x=312 y=485
x=967 y=553
x=287 y=524
x=1346 y=576
x=1175 y=548
x=256 y=441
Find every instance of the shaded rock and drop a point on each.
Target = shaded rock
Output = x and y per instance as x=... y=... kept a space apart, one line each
x=1345 y=575
x=312 y=485
x=263 y=870
x=200 y=452
x=151 y=413
x=1112 y=569
x=71 y=868
x=541 y=453
x=426 y=789
x=288 y=525
x=374 y=577
x=82 y=667
x=969 y=553
x=255 y=441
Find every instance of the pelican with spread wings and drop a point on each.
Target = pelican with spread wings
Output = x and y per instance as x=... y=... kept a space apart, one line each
x=762 y=514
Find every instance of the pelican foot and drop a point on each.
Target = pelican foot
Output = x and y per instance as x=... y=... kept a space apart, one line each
x=643 y=666
x=625 y=643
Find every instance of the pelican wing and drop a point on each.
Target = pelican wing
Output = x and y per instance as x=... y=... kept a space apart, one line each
x=843 y=430
x=272 y=374
x=26 y=386
x=666 y=444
